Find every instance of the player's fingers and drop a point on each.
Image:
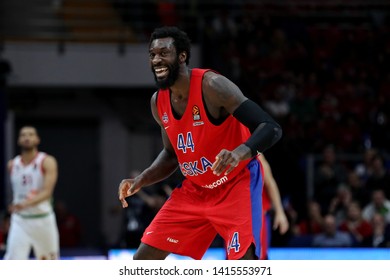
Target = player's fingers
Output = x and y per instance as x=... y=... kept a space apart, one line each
x=220 y=167
x=121 y=189
x=284 y=227
x=229 y=170
x=122 y=193
x=124 y=203
x=223 y=159
x=216 y=163
x=233 y=164
x=132 y=189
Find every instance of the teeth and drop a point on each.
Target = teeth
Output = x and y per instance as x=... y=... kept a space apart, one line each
x=160 y=70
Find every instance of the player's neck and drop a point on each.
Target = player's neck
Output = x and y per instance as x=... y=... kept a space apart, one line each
x=28 y=155
x=181 y=88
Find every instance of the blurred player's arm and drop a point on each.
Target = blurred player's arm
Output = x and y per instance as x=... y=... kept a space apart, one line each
x=9 y=165
x=271 y=187
x=50 y=176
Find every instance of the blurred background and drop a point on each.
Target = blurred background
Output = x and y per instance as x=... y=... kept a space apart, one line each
x=78 y=71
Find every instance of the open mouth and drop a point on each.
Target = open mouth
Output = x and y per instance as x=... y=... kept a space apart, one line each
x=161 y=72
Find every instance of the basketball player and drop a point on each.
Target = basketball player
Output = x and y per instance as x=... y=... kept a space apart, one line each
x=212 y=133
x=33 y=177
x=271 y=200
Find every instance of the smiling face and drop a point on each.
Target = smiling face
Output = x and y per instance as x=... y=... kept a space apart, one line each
x=164 y=62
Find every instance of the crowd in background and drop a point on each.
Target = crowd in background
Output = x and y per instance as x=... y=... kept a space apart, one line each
x=327 y=82
x=328 y=85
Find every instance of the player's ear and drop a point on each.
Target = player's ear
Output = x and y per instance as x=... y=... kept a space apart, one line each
x=182 y=57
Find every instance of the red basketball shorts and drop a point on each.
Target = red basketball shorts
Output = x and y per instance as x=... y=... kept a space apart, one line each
x=191 y=218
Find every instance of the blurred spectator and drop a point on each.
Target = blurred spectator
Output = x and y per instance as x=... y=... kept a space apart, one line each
x=311 y=88
x=358 y=189
x=143 y=207
x=278 y=105
x=135 y=222
x=69 y=226
x=379 y=205
x=331 y=236
x=303 y=230
x=337 y=86
x=380 y=236
x=339 y=204
x=355 y=224
x=328 y=106
x=349 y=132
x=380 y=124
x=364 y=168
x=313 y=223
x=303 y=107
x=155 y=198
x=329 y=174
x=166 y=9
x=380 y=176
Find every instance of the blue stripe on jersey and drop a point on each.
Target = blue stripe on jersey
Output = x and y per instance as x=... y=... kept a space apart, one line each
x=256 y=188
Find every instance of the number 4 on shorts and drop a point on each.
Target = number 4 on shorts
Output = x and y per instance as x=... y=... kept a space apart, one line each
x=234 y=243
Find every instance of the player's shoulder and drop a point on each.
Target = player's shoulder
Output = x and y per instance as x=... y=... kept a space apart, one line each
x=48 y=159
x=214 y=80
x=210 y=75
x=15 y=160
x=154 y=96
x=153 y=99
x=10 y=163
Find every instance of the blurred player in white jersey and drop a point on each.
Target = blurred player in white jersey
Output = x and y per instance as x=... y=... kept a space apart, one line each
x=33 y=176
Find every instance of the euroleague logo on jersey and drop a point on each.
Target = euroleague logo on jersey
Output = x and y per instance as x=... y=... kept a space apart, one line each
x=164 y=118
x=196 y=116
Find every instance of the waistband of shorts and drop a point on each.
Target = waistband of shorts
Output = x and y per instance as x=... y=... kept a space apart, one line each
x=34 y=216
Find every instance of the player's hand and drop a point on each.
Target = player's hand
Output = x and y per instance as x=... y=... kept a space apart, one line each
x=281 y=222
x=15 y=207
x=126 y=188
x=225 y=160
x=228 y=160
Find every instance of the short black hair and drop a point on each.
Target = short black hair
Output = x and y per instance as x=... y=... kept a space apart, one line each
x=181 y=40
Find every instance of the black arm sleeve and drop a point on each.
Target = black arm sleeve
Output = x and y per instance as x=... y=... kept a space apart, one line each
x=265 y=130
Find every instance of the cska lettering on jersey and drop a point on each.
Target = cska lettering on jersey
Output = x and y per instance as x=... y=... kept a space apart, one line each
x=195 y=168
x=186 y=145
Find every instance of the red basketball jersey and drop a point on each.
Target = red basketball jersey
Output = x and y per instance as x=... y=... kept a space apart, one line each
x=196 y=140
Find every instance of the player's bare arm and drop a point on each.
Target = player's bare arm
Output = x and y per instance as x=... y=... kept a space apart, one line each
x=223 y=97
x=162 y=167
x=9 y=165
x=9 y=168
x=50 y=170
x=271 y=187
